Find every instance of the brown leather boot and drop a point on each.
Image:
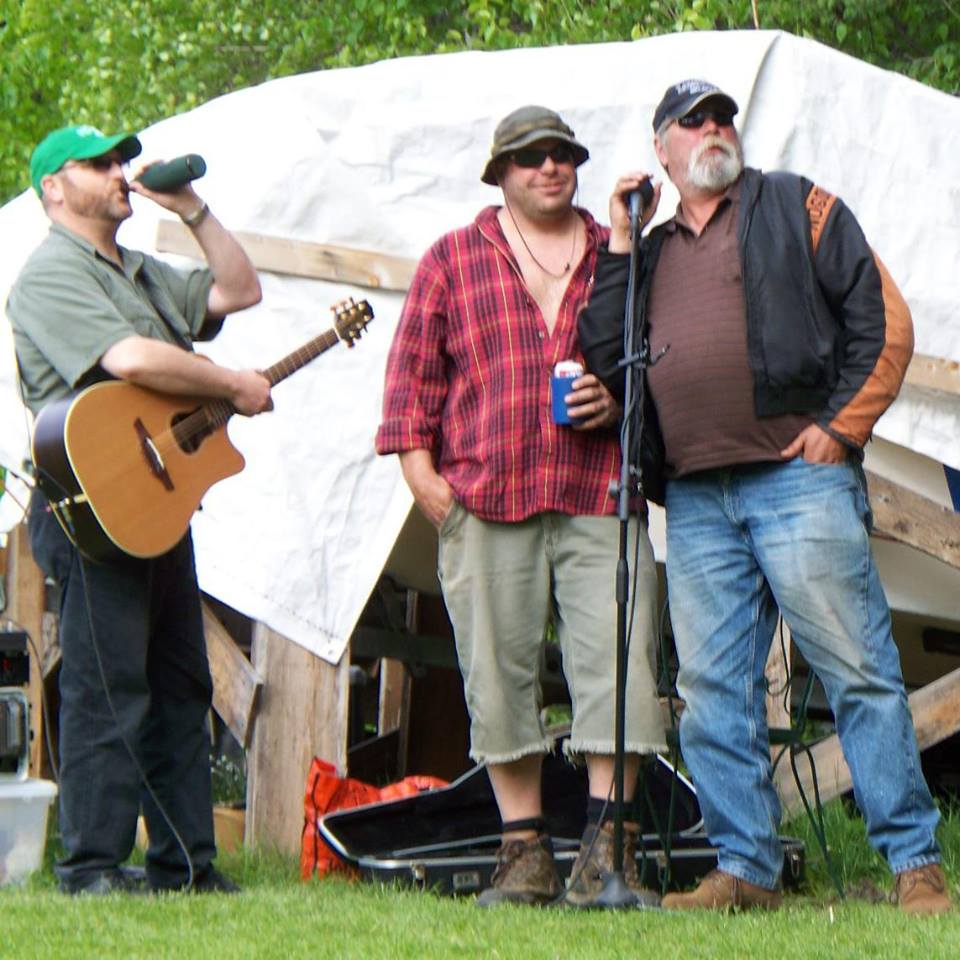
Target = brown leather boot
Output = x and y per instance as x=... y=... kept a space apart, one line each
x=525 y=873
x=723 y=891
x=595 y=860
x=922 y=890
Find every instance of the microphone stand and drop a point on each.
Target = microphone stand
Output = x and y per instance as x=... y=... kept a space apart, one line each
x=615 y=893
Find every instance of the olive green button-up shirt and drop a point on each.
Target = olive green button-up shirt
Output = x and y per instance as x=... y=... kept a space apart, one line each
x=70 y=304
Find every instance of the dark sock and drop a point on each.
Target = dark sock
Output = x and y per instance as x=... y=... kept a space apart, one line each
x=597 y=807
x=537 y=824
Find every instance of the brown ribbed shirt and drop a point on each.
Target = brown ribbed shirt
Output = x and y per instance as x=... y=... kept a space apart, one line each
x=702 y=386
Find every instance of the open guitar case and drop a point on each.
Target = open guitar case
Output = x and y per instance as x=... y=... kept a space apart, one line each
x=446 y=840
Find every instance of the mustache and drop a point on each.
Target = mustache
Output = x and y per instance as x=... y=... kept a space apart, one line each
x=713 y=141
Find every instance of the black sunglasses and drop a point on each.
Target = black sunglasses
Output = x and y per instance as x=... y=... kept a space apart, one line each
x=102 y=164
x=693 y=121
x=531 y=157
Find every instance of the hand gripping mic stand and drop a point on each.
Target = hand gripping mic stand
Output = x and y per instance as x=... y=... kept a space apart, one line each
x=615 y=893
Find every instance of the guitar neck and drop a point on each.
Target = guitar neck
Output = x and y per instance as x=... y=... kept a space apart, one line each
x=351 y=319
x=218 y=412
x=300 y=357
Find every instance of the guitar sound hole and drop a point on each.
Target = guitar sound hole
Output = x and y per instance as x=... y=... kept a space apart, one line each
x=191 y=434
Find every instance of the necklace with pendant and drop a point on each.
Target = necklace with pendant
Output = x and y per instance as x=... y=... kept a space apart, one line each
x=526 y=246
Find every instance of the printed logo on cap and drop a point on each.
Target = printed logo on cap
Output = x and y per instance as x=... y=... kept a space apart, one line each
x=692 y=87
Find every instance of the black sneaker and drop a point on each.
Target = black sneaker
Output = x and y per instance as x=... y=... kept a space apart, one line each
x=105 y=882
x=213 y=881
x=210 y=880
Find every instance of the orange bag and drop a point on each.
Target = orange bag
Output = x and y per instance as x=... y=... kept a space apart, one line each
x=327 y=792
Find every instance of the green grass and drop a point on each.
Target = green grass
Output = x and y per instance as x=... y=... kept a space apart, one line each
x=278 y=916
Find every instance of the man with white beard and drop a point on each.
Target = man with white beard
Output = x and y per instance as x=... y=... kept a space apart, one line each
x=782 y=339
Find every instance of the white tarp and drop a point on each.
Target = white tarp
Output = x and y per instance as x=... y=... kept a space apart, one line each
x=387 y=157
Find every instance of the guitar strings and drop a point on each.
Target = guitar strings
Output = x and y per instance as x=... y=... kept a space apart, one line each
x=193 y=426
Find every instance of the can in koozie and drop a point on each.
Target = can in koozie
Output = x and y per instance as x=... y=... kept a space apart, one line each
x=561 y=383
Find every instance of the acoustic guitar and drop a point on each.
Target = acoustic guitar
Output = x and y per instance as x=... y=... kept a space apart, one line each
x=124 y=467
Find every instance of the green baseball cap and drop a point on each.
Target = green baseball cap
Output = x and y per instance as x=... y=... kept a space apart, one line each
x=77 y=143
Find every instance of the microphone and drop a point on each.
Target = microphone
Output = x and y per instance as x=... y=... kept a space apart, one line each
x=167 y=177
x=639 y=199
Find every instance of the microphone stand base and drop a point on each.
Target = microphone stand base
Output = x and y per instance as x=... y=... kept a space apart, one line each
x=616 y=895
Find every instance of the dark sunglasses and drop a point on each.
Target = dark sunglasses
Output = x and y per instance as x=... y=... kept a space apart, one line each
x=693 y=121
x=531 y=157
x=101 y=164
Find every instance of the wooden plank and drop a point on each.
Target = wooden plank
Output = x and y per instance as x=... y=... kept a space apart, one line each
x=910 y=518
x=394 y=693
x=236 y=685
x=777 y=672
x=228 y=828
x=25 y=605
x=302 y=714
x=936 y=716
x=301 y=258
x=934 y=373
x=393 y=710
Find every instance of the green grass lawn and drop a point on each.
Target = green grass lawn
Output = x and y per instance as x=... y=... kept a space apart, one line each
x=279 y=916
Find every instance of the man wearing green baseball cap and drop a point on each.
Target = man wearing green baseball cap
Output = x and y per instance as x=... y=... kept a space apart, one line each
x=77 y=143
x=135 y=685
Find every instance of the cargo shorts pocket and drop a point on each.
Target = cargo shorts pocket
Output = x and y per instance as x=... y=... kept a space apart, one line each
x=452 y=520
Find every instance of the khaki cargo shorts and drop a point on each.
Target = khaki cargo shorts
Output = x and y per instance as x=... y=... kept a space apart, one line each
x=502 y=583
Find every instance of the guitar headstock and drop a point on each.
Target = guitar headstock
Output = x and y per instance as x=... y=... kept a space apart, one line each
x=350 y=319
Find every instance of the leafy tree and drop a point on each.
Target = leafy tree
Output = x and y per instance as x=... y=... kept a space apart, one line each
x=125 y=65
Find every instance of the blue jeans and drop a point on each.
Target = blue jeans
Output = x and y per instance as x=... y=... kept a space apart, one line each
x=741 y=543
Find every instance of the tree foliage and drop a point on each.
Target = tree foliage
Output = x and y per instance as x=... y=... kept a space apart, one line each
x=125 y=65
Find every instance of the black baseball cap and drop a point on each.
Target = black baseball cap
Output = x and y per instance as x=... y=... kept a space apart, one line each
x=684 y=97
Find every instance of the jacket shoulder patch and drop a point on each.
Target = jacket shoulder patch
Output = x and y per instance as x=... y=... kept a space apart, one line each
x=819 y=203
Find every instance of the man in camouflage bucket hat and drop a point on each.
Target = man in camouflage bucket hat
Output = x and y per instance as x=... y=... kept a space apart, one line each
x=526 y=525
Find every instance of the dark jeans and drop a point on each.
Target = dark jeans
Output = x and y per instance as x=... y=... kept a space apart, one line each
x=134 y=677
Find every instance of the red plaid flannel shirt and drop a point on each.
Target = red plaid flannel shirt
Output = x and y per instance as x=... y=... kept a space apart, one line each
x=468 y=378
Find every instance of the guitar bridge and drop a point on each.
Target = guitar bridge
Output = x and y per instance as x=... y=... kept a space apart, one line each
x=152 y=455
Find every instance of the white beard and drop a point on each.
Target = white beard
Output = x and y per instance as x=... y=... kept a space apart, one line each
x=714 y=172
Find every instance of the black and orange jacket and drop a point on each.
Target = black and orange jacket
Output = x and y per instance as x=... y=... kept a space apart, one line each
x=828 y=332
